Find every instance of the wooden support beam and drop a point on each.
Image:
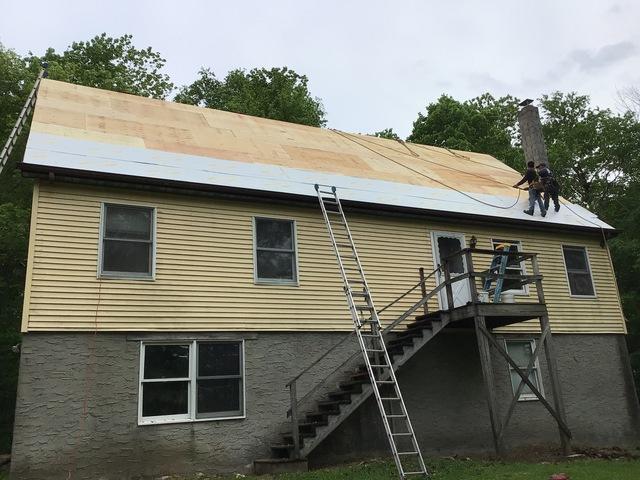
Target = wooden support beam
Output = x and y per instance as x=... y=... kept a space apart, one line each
x=521 y=385
x=489 y=383
x=558 y=401
x=560 y=420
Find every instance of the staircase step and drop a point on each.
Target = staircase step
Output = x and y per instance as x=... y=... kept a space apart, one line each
x=354 y=386
x=319 y=416
x=281 y=450
x=428 y=316
x=402 y=341
x=332 y=404
x=341 y=394
x=428 y=323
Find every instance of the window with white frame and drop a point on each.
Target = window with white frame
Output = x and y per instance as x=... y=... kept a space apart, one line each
x=190 y=381
x=275 y=250
x=521 y=352
x=513 y=267
x=127 y=248
x=578 y=271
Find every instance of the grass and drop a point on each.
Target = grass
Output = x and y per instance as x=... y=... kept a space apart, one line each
x=583 y=469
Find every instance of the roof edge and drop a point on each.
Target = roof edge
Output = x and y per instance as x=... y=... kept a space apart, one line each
x=181 y=187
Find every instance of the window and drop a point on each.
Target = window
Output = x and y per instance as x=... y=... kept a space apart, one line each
x=275 y=253
x=578 y=271
x=513 y=268
x=127 y=241
x=191 y=381
x=521 y=351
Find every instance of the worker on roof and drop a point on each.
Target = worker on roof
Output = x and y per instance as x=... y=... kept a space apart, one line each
x=551 y=186
x=535 y=189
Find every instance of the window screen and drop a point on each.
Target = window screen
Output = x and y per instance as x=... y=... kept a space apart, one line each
x=127 y=242
x=275 y=250
x=578 y=272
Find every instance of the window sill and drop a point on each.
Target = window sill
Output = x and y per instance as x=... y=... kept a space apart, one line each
x=169 y=420
x=528 y=399
x=117 y=276
x=584 y=297
x=278 y=283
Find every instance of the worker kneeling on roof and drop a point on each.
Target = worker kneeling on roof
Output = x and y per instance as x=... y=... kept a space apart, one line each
x=535 y=189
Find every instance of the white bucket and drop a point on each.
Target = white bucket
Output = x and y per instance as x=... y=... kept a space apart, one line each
x=483 y=297
x=508 y=297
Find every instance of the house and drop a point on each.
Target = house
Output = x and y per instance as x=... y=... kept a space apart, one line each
x=180 y=276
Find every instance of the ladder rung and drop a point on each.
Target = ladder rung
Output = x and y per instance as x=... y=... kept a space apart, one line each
x=345 y=245
x=396 y=416
x=385 y=381
x=389 y=398
x=324 y=191
x=407 y=453
x=329 y=200
x=373 y=350
x=380 y=366
x=359 y=307
x=360 y=294
x=402 y=434
x=414 y=473
x=333 y=211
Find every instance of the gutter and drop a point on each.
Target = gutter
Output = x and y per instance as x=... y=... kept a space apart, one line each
x=220 y=191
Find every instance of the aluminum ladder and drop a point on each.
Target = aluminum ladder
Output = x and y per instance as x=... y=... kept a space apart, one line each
x=22 y=119
x=402 y=439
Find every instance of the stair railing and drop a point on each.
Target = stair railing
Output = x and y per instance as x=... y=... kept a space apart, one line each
x=292 y=384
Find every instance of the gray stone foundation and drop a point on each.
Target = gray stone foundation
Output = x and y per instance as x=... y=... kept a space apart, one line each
x=64 y=375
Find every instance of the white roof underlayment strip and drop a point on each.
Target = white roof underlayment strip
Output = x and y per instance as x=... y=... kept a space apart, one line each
x=87 y=155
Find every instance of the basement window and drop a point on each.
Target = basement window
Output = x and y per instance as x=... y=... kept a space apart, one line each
x=275 y=251
x=578 y=270
x=127 y=241
x=513 y=268
x=521 y=352
x=191 y=381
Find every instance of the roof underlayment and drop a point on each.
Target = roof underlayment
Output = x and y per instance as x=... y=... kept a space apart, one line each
x=102 y=132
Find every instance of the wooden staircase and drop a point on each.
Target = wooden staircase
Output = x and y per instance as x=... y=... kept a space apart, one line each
x=335 y=407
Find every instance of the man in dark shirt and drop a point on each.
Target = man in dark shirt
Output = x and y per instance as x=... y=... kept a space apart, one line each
x=535 y=189
x=551 y=187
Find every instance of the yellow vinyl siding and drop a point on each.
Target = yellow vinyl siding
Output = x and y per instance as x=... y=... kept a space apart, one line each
x=204 y=268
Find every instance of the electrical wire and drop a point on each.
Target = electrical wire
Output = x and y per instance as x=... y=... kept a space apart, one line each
x=429 y=177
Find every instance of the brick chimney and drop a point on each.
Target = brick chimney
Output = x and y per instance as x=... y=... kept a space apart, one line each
x=531 y=133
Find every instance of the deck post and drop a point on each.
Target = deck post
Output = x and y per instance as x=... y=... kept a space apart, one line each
x=447 y=285
x=472 y=276
x=484 y=350
x=423 y=289
x=558 y=401
x=550 y=356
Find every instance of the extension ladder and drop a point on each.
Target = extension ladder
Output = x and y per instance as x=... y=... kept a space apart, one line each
x=22 y=119
x=395 y=418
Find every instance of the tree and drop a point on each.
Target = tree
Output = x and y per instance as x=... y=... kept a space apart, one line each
x=483 y=124
x=111 y=64
x=387 y=133
x=595 y=152
x=102 y=62
x=276 y=93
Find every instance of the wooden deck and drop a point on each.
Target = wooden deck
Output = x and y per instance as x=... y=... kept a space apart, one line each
x=496 y=314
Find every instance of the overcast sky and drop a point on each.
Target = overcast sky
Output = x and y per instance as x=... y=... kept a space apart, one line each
x=374 y=64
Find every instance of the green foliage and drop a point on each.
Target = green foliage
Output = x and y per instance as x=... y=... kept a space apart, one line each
x=594 y=151
x=387 y=133
x=276 y=93
x=446 y=469
x=111 y=64
x=102 y=62
x=483 y=124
